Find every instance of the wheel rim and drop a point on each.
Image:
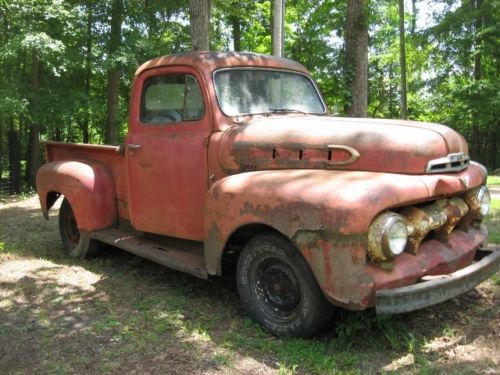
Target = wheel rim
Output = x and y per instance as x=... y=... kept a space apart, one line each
x=277 y=289
x=71 y=228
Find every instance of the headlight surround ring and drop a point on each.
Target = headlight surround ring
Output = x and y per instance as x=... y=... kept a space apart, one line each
x=387 y=236
x=484 y=200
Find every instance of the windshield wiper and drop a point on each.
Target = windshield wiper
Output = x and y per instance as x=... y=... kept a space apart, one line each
x=284 y=110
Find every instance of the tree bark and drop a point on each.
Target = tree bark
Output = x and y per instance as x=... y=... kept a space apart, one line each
x=14 y=162
x=391 y=91
x=5 y=74
x=151 y=19
x=33 y=135
x=413 y=16
x=493 y=146
x=403 y=109
x=1 y=149
x=111 y=133
x=278 y=27
x=357 y=57
x=476 y=4
x=88 y=72
x=34 y=154
x=199 y=13
x=236 y=24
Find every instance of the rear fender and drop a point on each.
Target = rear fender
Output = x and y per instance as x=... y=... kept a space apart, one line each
x=89 y=186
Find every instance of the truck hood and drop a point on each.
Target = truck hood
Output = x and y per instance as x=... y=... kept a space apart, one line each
x=320 y=142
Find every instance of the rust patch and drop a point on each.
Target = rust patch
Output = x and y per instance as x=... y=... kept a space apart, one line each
x=455 y=209
x=213 y=255
x=338 y=263
x=422 y=220
x=474 y=209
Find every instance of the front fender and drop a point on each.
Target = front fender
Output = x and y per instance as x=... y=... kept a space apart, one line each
x=326 y=214
x=89 y=186
x=341 y=202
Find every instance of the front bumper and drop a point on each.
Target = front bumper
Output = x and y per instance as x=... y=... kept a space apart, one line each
x=435 y=289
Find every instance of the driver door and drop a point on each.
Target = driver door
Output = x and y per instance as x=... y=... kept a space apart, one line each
x=166 y=153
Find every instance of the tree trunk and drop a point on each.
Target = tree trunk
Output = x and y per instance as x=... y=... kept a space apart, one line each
x=402 y=61
x=199 y=13
x=111 y=133
x=278 y=27
x=58 y=135
x=413 y=16
x=34 y=154
x=1 y=149
x=33 y=149
x=151 y=22
x=476 y=4
x=88 y=72
x=493 y=146
x=5 y=74
x=391 y=91
x=236 y=24
x=357 y=57
x=14 y=162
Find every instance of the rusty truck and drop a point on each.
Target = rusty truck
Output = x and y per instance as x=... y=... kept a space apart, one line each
x=234 y=158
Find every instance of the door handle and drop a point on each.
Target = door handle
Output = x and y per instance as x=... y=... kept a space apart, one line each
x=133 y=146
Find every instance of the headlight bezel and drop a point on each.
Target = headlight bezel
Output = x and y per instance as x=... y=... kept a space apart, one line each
x=483 y=201
x=389 y=243
x=381 y=247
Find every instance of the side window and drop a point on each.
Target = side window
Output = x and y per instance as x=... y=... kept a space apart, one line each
x=171 y=98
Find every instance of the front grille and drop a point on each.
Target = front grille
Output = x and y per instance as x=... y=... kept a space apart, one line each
x=441 y=217
x=451 y=163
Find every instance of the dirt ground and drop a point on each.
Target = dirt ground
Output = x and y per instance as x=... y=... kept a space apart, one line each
x=121 y=314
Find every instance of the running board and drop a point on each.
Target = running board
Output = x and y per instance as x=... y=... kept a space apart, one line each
x=168 y=256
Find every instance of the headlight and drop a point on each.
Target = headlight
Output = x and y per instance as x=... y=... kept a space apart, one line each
x=395 y=237
x=484 y=200
x=387 y=236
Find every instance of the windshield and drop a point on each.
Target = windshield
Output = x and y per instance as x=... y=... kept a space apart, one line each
x=254 y=91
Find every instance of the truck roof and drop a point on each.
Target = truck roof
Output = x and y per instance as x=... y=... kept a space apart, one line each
x=216 y=60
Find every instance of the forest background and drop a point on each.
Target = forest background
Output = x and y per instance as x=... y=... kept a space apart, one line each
x=66 y=67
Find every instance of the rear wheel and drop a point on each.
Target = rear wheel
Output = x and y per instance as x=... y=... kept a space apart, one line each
x=278 y=289
x=76 y=243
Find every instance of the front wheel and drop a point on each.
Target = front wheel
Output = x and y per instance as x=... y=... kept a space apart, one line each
x=278 y=289
x=76 y=243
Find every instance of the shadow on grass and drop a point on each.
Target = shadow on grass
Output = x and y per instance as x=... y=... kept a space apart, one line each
x=119 y=313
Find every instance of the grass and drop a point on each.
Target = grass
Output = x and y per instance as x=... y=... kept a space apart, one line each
x=493 y=219
x=118 y=313
x=493 y=222
x=493 y=181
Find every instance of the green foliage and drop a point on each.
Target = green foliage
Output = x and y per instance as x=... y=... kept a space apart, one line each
x=452 y=60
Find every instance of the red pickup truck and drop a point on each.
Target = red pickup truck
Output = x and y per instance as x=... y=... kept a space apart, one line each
x=234 y=156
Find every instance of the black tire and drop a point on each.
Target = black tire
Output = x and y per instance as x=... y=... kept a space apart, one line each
x=76 y=243
x=278 y=289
